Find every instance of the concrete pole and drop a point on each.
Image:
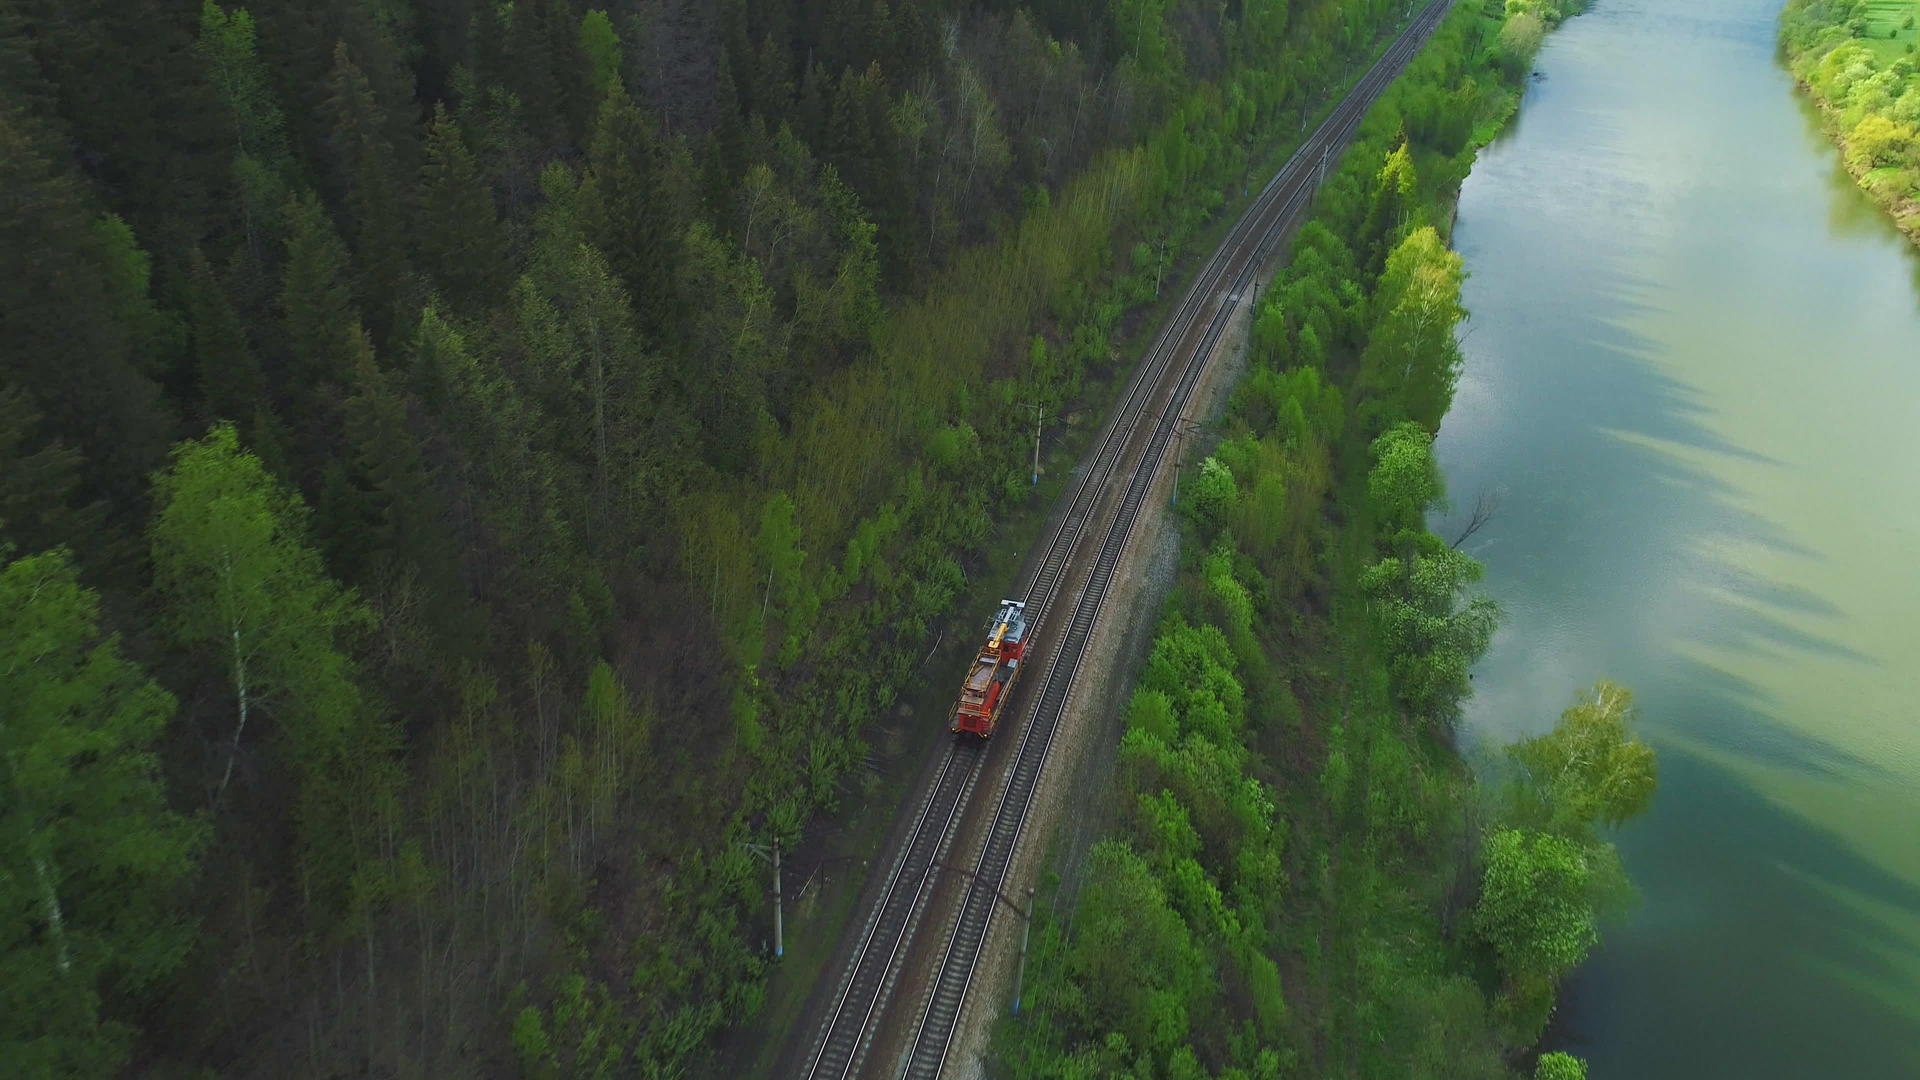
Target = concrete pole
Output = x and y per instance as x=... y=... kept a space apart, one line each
x=1019 y=973
x=1040 y=414
x=779 y=942
x=1179 y=462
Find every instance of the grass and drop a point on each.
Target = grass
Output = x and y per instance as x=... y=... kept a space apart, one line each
x=1891 y=31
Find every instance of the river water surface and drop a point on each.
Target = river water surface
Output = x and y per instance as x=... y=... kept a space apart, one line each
x=1693 y=375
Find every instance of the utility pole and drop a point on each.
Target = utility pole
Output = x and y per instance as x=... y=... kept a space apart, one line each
x=1026 y=931
x=779 y=938
x=1183 y=429
x=1026 y=918
x=1040 y=414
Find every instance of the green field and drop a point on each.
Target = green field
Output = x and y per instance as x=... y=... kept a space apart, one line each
x=1890 y=27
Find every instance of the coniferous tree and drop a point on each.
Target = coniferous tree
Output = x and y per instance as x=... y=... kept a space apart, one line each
x=549 y=71
x=737 y=334
x=156 y=337
x=132 y=97
x=461 y=242
x=366 y=171
x=33 y=99
x=322 y=327
x=230 y=384
x=633 y=207
x=586 y=362
x=41 y=506
x=66 y=342
x=404 y=512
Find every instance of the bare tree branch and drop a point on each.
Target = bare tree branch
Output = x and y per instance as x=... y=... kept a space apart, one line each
x=1484 y=507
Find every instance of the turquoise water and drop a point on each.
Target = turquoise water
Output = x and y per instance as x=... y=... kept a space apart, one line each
x=1693 y=377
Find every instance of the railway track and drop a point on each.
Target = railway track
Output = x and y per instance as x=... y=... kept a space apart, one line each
x=1190 y=334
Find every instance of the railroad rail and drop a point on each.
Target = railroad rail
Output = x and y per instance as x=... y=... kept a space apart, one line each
x=1193 y=330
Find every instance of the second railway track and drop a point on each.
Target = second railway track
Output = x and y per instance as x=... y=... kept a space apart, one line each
x=840 y=1044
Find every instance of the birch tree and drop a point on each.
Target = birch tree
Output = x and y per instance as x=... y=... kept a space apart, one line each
x=1412 y=361
x=1588 y=771
x=88 y=849
x=244 y=589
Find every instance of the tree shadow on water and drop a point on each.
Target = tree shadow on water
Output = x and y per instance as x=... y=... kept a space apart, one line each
x=1745 y=957
x=1724 y=713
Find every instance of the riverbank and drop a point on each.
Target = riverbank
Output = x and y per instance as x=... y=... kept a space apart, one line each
x=1855 y=60
x=1295 y=882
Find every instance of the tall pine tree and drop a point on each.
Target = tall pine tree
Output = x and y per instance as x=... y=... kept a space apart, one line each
x=461 y=242
x=322 y=328
x=61 y=322
x=366 y=172
x=633 y=206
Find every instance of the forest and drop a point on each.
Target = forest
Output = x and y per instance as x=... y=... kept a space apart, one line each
x=1301 y=875
x=1856 y=59
x=465 y=468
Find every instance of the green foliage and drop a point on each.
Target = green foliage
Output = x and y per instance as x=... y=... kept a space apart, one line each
x=1559 y=1066
x=459 y=233
x=601 y=46
x=228 y=46
x=1211 y=495
x=1429 y=637
x=1520 y=38
x=94 y=856
x=1395 y=198
x=580 y=1035
x=1588 y=771
x=1152 y=712
x=1405 y=480
x=1869 y=98
x=1412 y=361
x=243 y=588
x=1549 y=878
x=1533 y=905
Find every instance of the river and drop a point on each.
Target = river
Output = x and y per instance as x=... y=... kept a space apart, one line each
x=1693 y=377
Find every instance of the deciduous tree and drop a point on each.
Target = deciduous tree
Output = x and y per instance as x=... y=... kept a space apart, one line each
x=1412 y=361
x=1533 y=905
x=1589 y=770
x=91 y=851
x=1558 y=1066
x=243 y=587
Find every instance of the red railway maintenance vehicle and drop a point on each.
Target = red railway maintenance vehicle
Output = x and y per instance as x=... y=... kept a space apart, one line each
x=990 y=681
